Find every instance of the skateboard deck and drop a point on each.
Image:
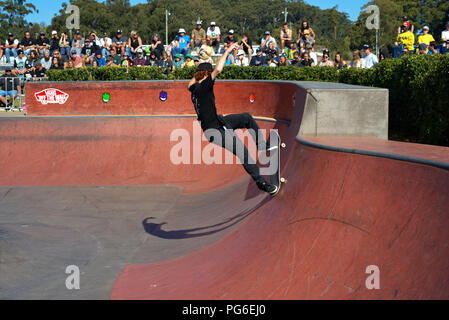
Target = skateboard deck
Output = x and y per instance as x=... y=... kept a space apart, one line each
x=275 y=158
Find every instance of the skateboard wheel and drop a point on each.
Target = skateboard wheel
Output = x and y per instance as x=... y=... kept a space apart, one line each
x=283 y=180
x=283 y=145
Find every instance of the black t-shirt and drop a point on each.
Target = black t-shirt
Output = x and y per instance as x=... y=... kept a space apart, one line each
x=305 y=63
x=159 y=49
x=27 y=42
x=203 y=99
x=228 y=40
x=42 y=42
x=245 y=48
x=89 y=51
x=39 y=73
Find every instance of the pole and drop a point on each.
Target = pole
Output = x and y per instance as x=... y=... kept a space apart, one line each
x=166 y=27
x=377 y=42
x=286 y=15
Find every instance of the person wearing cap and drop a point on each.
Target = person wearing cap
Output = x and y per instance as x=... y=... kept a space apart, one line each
x=134 y=43
x=189 y=63
x=241 y=60
x=214 y=35
x=370 y=58
x=65 y=45
x=426 y=38
x=178 y=63
x=406 y=24
x=78 y=43
x=258 y=60
x=266 y=40
x=105 y=44
x=198 y=37
x=119 y=43
x=406 y=39
x=139 y=60
x=126 y=62
x=219 y=130
x=290 y=50
x=229 y=39
x=9 y=87
x=11 y=46
x=445 y=33
x=42 y=43
x=27 y=44
x=99 y=59
x=306 y=35
x=196 y=61
x=166 y=63
x=54 y=42
x=152 y=60
x=39 y=71
x=89 y=48
x=77 y=60
x=184 y=43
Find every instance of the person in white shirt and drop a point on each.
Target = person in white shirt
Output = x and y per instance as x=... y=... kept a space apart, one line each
x=11 y=45
x=357 y=61
x=265 y=42
x=445 y=33
x=312 y=54
x=369 y=57
x=213 y=33
x=105 y=44
x=242 y=60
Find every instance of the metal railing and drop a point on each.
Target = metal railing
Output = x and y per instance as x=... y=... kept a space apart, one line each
x=16 y=103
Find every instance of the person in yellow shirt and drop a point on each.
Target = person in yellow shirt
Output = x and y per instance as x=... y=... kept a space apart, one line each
x=407 y=39
x=426 y=37
x=189 y=62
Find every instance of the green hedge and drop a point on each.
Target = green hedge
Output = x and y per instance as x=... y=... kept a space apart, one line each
x=419 y=88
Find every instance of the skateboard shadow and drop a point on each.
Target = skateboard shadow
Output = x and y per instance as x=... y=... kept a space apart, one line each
x=156 y=229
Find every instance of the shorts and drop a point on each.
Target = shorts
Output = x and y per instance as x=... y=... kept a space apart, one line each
x=11 y=93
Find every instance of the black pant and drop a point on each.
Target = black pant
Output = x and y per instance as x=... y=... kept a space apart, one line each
x=234 y=122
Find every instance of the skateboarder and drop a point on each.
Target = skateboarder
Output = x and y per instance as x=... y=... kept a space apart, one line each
x=203 y=98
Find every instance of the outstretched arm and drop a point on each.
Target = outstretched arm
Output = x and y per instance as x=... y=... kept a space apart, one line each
x=220 y=65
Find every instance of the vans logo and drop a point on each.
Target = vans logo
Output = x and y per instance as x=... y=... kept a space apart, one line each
x=51 y=95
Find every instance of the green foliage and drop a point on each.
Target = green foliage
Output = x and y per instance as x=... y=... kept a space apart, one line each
x=12 y=13
x=418 y=88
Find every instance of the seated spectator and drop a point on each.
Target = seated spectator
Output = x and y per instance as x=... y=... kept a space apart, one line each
x=89 y=49
x=242 y=60
x=116 y=57
x=230 y=61
x=445 y=33
x=214 y=34
x=34 y=57
x=21 y=65
x=165 y=63
x=9 y=87
x=173 y=47
x=198 y=36
x=110 y=62
x=184 y=43
x=247 y=45
x=42 y=43
x=139 y=60
x=286 y=35
x=369 y=57
x=406 y=38
x=307 y=61
x=405 y=52
x=65 y=45
x=258 y=60
x=27 y=44
x=426 y=37
x=54 y=42
x=152 y=60
x=357 y=61
x=63 y=59
x=306 y=35
x=189 y=63
x=46 y=60
x=229 y=40
x=265 y=42
x=445 y=47
x=283 y=61
x=434 y=48
x=296 y=60
x=76 y=60
x=39 y=71
x=99 y=59
x=95 y=64
x=270 y=62
x=106 y=45
x=179 y=62
x=310 y=48
x=56 y=64
x=134 y=43
x=94 y=39
x=206 y=52
x=70 y=65
x=78 y=43
x=339 y=62
x=290 y=50
x=11 y=47
x=126 y=62
x=196 y=61
x=406 y=22
x=119 y=43
x=326 y=62
x=423 y=49
x=157 y=46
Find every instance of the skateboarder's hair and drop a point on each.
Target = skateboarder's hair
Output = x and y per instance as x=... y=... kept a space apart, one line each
x=201 y=74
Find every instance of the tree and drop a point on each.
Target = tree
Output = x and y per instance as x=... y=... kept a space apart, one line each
x=12 y=13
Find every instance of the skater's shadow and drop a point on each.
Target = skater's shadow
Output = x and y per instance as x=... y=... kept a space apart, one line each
x=157 y=231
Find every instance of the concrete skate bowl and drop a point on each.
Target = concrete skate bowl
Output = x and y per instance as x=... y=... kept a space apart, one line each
x=91 y=184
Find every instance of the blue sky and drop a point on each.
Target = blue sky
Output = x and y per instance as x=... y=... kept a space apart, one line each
x=48 y=8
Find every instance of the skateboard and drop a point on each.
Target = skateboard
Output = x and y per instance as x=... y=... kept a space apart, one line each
x=275 y=157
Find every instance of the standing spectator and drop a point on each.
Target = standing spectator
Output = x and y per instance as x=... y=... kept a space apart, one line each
x=46 y=60
x=290 y=50
x=119 y=43
x=166 y=63
x=134 y=43
x=307 y=60
x=54 y=42
x=406 y=38
x=27 y=44
x=369 y=57
x=198 y=36
x=156 y=46
x=39 y=71
x=258 y=60
x=426 y=37
x=126 y=62
x=11 y=46
x=265 y=42
x=326 y=62
x=78 y=43
x=42 y=43
x=77 y=60
x=306 y=35
x=357 y=61
x=286 y=35
x=179 y=62
x=184 y=43
x=139 y=60
x=152 y=59
x=247 y=45
x=214 y=34
x=229 y=40
x=242 y=60
x=56 y=64
x=99 y=59
x=339 y=62
x=406 y=22
x=65 y=44
x=445 y=33
x=10 y=87
x=106 y=45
